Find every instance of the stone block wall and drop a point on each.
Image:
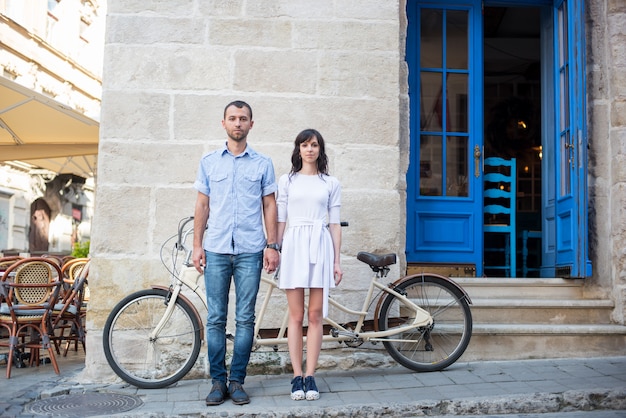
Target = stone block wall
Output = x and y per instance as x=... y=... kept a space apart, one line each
x=606 y=92
x=169 y=70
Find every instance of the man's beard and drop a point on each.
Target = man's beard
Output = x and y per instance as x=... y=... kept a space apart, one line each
x=238 y=139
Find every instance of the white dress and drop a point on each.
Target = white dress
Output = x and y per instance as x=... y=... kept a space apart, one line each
x=308 y=204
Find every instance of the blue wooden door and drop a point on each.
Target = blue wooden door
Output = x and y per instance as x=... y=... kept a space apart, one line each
x=444 y=189
x=565 y=222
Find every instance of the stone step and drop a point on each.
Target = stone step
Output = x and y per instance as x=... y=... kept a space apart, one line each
x=539 y=318
x=506 y=288
x=528 y=341
x=542 y=311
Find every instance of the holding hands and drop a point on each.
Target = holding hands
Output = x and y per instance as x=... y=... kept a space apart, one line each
x=271 y=258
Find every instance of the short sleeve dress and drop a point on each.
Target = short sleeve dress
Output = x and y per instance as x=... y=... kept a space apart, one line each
x=308 y=203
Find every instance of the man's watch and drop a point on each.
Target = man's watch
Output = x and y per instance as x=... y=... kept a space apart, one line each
x=273 y=246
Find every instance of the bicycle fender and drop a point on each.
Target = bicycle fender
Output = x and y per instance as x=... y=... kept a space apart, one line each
x=186 y=299
x=405 y=278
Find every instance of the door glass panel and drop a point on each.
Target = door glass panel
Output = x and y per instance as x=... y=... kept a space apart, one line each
x=457 y=167
x=444 y=90
x=563 y=98
x=431 y=46
x=431 y=166
x=565 y=142
x=432 y=116
x=456 y=39
x=564 y=163
x=456 y=100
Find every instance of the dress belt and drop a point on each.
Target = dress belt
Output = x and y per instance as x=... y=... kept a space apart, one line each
x=316 y=235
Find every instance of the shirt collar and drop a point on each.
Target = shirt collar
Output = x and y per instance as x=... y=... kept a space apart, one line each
x=248 y=151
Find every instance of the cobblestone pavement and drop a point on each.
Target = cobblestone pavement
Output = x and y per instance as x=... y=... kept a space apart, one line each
x=488 y=388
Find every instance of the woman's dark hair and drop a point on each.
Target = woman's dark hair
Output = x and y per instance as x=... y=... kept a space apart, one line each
x=296 y=159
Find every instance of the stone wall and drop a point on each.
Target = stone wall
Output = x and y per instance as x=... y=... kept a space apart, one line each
x=606 y=90
x=169 y=70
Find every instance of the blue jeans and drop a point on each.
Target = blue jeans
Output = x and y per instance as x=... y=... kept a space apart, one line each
x=246 y=271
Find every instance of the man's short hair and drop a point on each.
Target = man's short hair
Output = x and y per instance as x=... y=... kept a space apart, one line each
x=239 y=104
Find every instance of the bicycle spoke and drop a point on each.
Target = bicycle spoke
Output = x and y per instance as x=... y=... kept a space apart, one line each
x=427 y=348
x=145 y=361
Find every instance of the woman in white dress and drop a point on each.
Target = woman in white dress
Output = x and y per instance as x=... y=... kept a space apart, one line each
x=309 y=228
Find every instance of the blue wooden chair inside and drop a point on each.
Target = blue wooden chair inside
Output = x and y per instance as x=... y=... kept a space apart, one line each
x=530 y=250
x=499 y=208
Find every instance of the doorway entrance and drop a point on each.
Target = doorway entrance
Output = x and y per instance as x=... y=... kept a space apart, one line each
x=512 y=131
x=488 y=81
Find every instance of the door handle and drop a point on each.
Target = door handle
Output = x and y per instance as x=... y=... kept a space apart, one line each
x=477 y=155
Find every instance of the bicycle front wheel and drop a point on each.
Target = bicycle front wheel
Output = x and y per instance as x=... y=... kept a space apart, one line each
x=434 y=347
x=141 y=360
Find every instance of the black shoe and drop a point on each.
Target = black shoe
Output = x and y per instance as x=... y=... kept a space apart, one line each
x=217 y=394
x=237 y=394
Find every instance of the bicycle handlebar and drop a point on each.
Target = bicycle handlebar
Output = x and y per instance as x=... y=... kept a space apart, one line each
x=181 y=226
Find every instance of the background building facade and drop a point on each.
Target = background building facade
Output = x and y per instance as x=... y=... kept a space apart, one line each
x=50 y=89
x=344 y=68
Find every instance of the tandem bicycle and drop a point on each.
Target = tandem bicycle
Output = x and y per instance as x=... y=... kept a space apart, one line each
x=152 y=338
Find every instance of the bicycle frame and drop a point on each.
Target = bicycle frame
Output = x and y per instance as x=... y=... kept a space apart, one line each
x=190 y=278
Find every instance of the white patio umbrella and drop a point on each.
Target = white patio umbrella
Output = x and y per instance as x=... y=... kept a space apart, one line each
x=45 y=133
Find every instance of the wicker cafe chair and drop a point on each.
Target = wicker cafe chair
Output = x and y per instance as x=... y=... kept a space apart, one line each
x=28 y=291
x=69 y=313
x=56 y=258
x=67 y=259
x=72 y=270
x=5 y=262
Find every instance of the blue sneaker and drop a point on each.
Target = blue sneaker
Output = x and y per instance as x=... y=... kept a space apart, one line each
x=312 y=393
x=297 y=388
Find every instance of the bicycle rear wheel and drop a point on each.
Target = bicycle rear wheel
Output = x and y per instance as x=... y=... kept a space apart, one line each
x=434 y=347
x=151 y=363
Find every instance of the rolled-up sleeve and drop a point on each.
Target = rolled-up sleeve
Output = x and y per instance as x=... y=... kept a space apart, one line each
x=202 y=178
x=269 y=178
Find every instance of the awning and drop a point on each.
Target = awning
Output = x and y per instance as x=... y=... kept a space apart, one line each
x=45 y=133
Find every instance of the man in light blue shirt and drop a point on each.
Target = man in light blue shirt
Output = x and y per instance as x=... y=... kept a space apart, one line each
x=236 y=195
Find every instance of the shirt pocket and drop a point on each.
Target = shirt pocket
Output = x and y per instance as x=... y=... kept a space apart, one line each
x=218 y=184
x=252 y=184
